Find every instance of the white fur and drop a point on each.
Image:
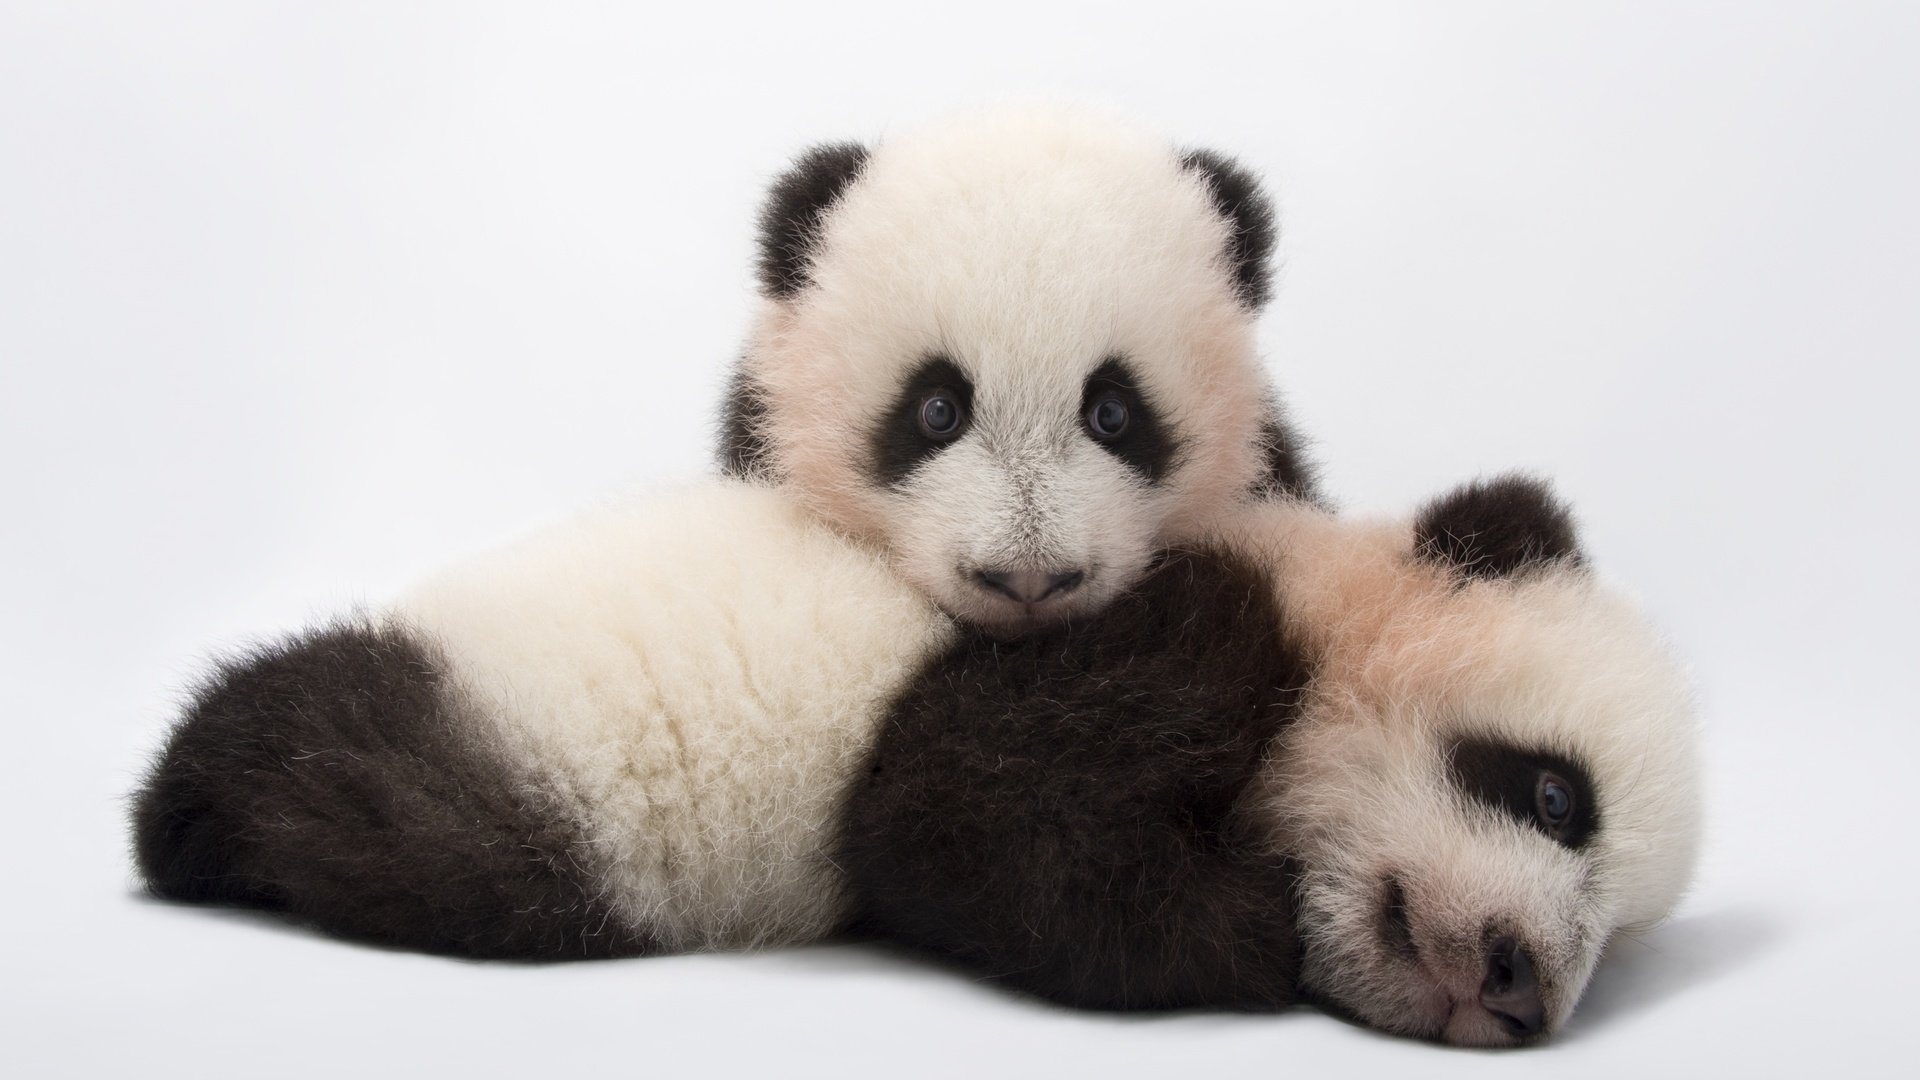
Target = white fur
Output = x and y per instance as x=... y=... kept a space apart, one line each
x=699 y=675
x=1028 y=245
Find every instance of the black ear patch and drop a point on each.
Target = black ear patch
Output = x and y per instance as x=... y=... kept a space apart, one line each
x=1238 y=198
x=798 y=200
x=1497 y=528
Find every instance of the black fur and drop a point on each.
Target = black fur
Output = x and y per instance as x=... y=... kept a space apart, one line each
x=898 y=445
x=1498 y=528
x=1064 y=812
x=1147 y=446
x=1506 y=778
x=1290 y=473
x=335 y=777
x=790 y=219
x=1238 y=198
x=744 y=449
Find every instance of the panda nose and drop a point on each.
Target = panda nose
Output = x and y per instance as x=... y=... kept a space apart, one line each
x=1030 y=586
x=1509 y=991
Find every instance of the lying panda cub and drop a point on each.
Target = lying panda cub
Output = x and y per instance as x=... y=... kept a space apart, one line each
x=1420 y=773
x=651 y=729
x=1016 y=350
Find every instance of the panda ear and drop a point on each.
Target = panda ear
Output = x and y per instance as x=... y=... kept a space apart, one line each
x=1497 y=528
x=1237 y=196
x=796 y=205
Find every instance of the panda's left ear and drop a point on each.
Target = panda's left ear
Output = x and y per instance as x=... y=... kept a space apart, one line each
x=1497 y=528
x=796 y=205
x=1237 y=196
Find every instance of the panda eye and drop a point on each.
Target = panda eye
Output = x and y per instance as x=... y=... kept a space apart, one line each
x=940 y=416
x=1554 y=801
x=1107 y=419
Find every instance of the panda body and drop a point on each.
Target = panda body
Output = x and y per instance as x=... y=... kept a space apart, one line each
x=626 y=734
x=1141 y=814
x=1015 y=349
x=1307 y=763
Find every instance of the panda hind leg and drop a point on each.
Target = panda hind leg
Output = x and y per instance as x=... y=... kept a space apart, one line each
x=337 y=777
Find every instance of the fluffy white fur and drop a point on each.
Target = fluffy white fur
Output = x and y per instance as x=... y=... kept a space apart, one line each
x=1410 y=658
x=698 y=674
x=1028 y=245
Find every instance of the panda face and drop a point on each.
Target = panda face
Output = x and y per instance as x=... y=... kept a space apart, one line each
x=1015 y=351
x=1493 y=773
x=1014 y=508
x=1431 y=910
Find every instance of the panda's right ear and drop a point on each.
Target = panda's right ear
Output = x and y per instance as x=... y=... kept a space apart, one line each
x=1237 y=196
x=1497 y=528
x=796 y=205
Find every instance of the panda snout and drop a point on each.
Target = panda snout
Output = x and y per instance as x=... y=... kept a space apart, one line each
x=1030 y=586
x=1509 y=991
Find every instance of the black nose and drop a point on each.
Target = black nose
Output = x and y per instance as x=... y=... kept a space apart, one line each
x=1030 y=586
x=1510 y=992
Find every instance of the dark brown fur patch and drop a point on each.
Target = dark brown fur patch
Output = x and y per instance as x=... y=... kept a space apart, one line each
x=1064 y=812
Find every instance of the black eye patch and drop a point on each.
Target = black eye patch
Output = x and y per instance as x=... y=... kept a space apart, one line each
x=1118 y=417
x=934 y=408
x=1538 y=788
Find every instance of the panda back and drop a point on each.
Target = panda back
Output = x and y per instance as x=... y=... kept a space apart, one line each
x=698 y=673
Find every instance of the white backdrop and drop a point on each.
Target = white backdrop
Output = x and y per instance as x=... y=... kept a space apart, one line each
x=297 y=302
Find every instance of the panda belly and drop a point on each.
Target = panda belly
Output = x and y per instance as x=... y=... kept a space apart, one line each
x=627 y=734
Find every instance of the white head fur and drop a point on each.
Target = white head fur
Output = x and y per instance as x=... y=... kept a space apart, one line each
x=1461 y=669
x=1014 y=272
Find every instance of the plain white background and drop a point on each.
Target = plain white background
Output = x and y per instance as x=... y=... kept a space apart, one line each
x=298 y=302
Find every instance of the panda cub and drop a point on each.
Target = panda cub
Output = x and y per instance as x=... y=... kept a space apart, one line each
x=1420 y=772
x=1016 y=351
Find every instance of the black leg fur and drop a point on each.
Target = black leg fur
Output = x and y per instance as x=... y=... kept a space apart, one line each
x=334 y=777
x=1063 y=812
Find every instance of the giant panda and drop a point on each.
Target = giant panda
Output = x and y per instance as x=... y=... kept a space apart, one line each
x=1419 y=771
x=1015 y=350
x=1314 y=764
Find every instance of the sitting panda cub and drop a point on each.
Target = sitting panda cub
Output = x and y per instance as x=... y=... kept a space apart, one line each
x=1420 y=772
x=1015 y=349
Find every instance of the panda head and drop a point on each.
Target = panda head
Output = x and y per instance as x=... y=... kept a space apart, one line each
x=1493 y=773
x=1016 y=351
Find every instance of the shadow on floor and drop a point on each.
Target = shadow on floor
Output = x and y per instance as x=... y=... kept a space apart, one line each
x=1640 y=972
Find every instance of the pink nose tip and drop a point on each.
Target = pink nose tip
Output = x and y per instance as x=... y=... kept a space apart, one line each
x=1030 y=586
